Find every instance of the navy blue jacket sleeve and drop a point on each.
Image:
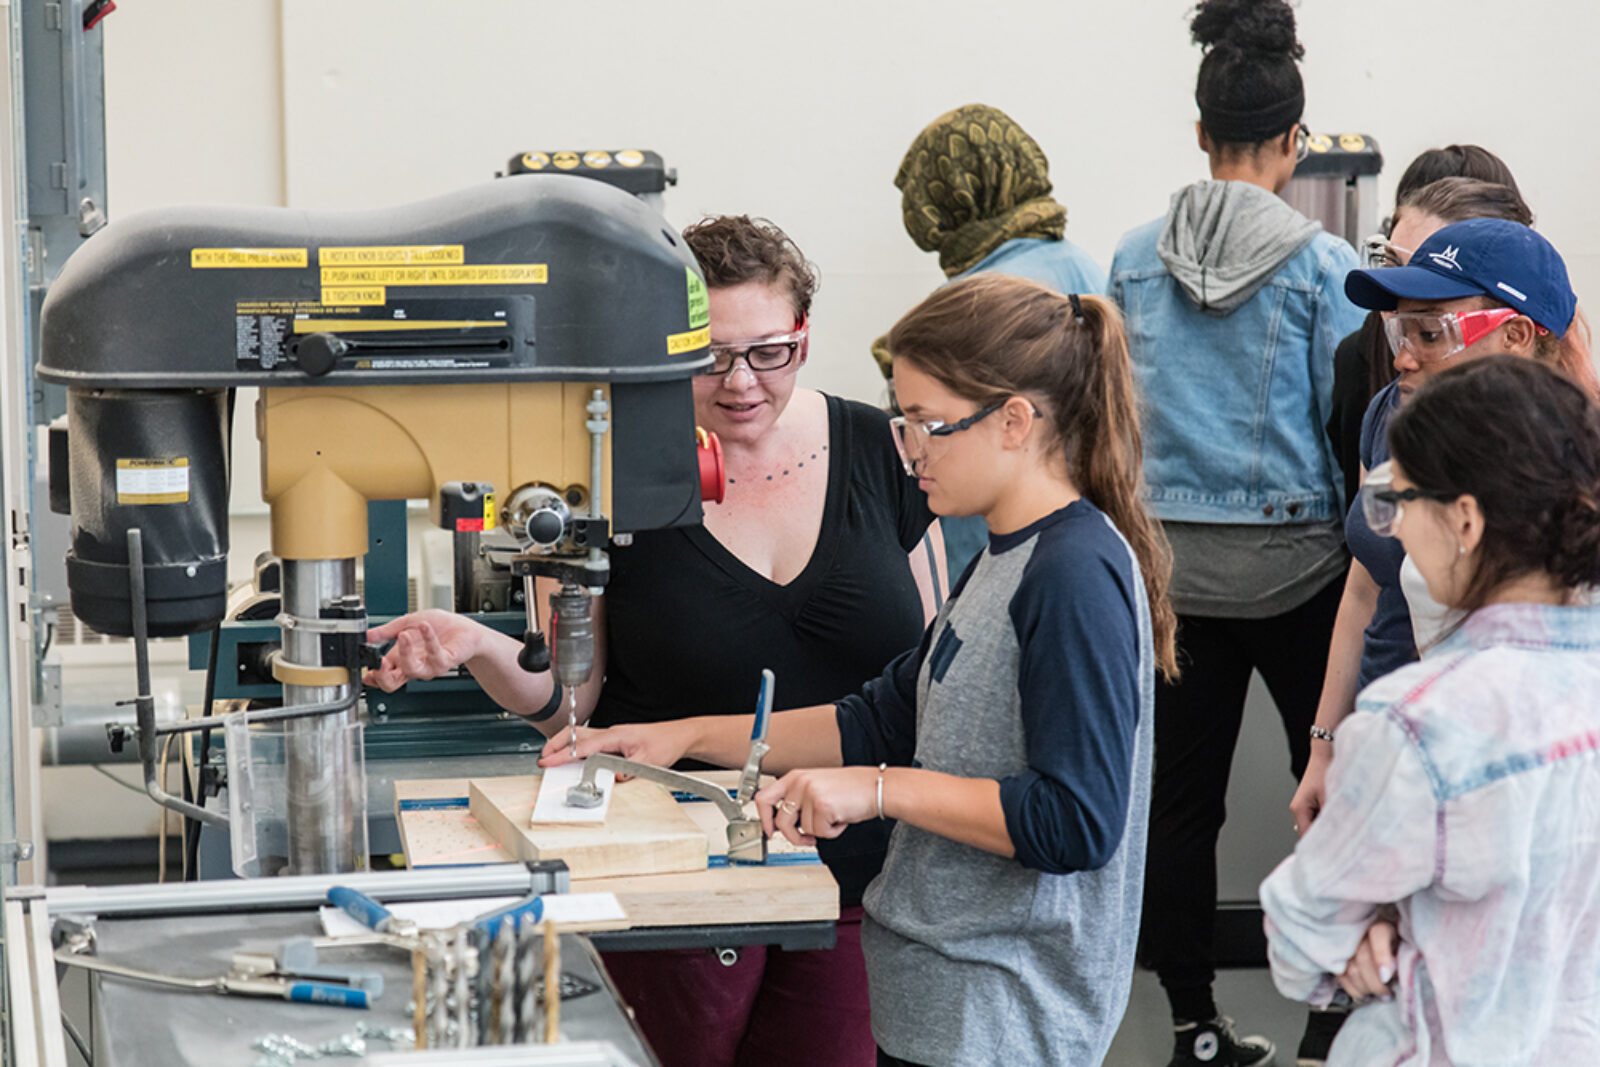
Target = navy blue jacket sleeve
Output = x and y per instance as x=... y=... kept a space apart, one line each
x=1078 y=680
x=879 y=724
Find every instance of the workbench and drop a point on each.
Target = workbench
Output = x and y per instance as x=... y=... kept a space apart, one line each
x=791 y=901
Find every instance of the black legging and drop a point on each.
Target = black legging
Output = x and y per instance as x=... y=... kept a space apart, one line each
x=1197 y=726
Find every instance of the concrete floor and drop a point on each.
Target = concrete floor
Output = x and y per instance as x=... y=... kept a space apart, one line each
x=1145 y=1039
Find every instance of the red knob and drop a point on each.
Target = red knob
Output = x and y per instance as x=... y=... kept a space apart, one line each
x=713 y=475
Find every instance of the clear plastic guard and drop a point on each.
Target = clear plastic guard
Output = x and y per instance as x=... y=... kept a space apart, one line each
x=260 y=796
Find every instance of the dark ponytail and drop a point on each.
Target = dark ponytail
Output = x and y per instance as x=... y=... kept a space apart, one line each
x=1523 y=440
x=1249 y=90
x=992 y=336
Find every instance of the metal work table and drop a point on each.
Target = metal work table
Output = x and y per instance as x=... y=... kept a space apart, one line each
x=189 y=931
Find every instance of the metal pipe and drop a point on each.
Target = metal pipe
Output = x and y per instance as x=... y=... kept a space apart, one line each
x=325 y=795
x=144 y=704
x=265 y=715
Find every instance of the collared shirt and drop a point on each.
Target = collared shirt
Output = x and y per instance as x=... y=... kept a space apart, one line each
x=1464 y=790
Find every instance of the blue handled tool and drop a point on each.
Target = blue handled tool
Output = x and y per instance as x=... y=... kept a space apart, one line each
x=751 y=778
x=527 y=911
x=368 y=912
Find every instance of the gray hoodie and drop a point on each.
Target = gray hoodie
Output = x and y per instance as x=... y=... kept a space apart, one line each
x=1223 y=241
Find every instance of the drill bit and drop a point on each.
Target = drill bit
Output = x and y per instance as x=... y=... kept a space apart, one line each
x=552 y=984
x=572 y=717
x=503 y=1010
x=464 y=957
x=527 y=987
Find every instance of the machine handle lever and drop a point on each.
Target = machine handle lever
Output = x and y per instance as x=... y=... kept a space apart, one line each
x=535 y=655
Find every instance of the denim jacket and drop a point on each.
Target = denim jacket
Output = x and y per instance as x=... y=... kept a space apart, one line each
x=1465 y=792
x=1234 y=406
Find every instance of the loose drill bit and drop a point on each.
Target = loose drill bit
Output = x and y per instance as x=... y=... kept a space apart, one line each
x=527 y=987
x=552 y=984
x=503 y=991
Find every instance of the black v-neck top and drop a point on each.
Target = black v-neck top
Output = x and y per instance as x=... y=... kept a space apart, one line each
x=689 y=627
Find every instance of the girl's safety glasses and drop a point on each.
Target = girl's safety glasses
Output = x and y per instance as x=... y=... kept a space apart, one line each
x=1383 y=506
x=1435 y=336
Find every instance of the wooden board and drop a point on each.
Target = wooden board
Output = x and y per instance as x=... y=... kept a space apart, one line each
x=644 y=832
x=437 y=829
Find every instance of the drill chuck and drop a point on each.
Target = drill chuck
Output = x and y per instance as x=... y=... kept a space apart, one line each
x=573 y=630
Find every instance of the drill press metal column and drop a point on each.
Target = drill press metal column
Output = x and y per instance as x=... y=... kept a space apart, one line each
x=320 y=751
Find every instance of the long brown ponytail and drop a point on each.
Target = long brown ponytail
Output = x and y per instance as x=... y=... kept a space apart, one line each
x=993 y=336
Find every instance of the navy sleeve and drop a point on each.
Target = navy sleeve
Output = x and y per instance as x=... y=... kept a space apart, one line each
x=1078 y=679
x=879 y=724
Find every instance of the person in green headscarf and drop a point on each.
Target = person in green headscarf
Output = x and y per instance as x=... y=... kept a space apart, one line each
x=975 y=188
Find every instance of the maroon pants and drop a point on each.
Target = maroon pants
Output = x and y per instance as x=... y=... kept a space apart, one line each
x=772 y=1008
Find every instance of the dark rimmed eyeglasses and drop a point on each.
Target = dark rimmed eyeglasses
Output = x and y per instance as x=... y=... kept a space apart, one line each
x=762 y=356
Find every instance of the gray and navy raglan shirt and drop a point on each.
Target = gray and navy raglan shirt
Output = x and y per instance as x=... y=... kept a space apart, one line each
x=1038 y=673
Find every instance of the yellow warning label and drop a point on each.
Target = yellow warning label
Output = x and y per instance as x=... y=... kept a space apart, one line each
x=391 y=255
x=488 y=511
x=393 y=325
x=566 y=160
x=487 y=274
x=535 y=160
x=628 y=157
x=597 y=160
x=153 y=481
x=354 y=296
x=213 y=258
x=679 y=343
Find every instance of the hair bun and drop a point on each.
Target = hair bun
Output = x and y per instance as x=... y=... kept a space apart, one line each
x=1265 y=26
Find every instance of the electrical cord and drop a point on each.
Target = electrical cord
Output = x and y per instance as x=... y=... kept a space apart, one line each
x=191 y=827
x=77 y=1039
x=126 y=785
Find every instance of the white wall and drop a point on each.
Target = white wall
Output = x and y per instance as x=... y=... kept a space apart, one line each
x=802 y=114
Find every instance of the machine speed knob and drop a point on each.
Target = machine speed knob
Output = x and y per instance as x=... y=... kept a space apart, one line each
x=318 y=353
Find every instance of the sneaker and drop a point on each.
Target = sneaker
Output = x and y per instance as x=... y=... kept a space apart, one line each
x=1214 y=1044
x=1321 y=1028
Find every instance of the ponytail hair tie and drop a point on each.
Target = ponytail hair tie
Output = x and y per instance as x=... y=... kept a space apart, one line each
x=1077 y=307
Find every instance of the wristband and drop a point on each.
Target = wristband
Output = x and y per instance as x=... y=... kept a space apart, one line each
x=881 y=768
x=551 y=706
x=1322 y=733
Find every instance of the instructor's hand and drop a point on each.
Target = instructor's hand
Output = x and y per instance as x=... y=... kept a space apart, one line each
x=426 y=645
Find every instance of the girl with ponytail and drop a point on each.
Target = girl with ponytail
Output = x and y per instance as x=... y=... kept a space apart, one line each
x=1014 y=745
x=1453 y=862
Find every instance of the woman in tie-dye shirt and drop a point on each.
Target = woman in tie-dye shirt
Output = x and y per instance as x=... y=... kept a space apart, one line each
x=1451 y=884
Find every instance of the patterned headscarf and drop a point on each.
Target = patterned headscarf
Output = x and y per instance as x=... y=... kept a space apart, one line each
x=972 y=181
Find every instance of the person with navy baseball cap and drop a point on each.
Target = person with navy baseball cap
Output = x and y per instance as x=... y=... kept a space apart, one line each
x=1477 y=287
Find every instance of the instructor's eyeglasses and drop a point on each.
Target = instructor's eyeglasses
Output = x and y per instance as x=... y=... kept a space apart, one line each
x=761 y=356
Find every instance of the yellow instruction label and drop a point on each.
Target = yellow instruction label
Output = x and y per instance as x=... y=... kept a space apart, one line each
x=699 y=301
x=153 y=481
x=354 y=296
x=679 y=343
x=391 y=255
x=487 y=274
x=213 y=258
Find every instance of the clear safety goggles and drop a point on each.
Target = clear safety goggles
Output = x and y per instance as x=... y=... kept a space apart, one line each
x=763 y=355
x=1435 y=336
x=912 y=436
x=1383 y=506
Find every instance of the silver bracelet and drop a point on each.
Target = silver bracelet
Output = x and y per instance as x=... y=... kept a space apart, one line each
x=1322 y=733
x=881 y=768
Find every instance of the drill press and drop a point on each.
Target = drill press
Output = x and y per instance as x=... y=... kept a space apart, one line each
x=517 y=353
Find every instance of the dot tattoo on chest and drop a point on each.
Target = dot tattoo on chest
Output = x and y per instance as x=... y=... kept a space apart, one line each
x=785 y=471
